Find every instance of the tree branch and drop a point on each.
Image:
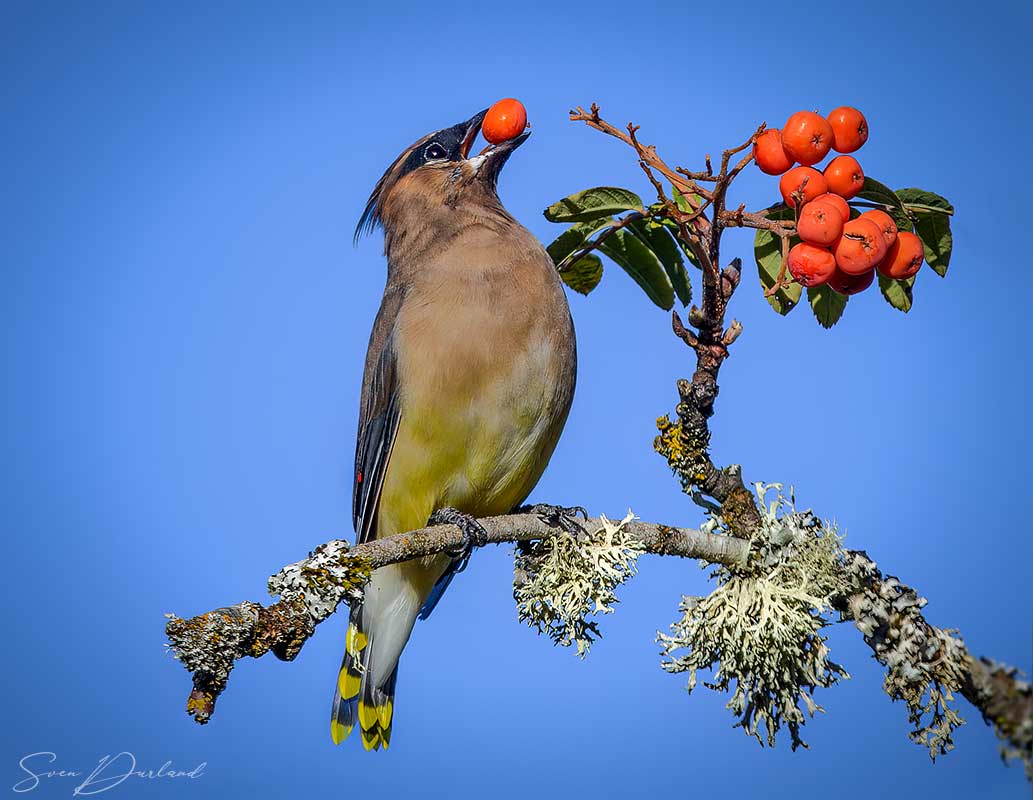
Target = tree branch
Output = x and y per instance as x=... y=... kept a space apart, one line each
x=886 y=612
x=311 y=590
x=922 y=659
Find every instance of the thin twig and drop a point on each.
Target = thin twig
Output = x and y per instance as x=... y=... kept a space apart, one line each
x=781 y=282
x=645 y=153
x=605 y=234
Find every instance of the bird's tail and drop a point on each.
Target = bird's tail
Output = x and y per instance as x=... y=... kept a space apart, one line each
x=362 y=695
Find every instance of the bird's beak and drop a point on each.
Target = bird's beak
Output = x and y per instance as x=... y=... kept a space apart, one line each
x=489 y=161
x=470 y=130
x=496 y=154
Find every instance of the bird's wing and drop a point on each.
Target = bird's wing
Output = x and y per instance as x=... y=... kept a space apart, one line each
x=378 y=418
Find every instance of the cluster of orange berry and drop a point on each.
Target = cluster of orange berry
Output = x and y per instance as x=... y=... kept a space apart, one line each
x=836 y=247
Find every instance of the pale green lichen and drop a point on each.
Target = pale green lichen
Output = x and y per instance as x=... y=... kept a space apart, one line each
x=760 y=629
x=330 y=574
x=924 y=664
x=211 y=642
x=566 y=578
x=209 y=645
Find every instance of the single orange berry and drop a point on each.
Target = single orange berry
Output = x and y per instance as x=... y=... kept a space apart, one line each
x=806 y=181
x=504 y=121
x=860 y=248
x=807 y=137
x=885 y=223
x=819 y=223
x=849 y=129
x=841 y=205
x=904 y=258
x=844 y=176
x=811 y=265
x=769 y=153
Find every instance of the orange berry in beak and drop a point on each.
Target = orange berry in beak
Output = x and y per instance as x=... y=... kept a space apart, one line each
x=504 y=121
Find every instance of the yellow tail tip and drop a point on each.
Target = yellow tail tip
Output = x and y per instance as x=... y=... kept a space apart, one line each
x=369 y=718
x=371 y=739
x=384 y=714
x=339 y=732
x=375 y=722
x=348 y=684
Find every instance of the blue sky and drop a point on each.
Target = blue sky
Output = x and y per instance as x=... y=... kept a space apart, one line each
x=185 y=323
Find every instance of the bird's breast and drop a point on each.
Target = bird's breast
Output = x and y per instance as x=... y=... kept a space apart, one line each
x=488 y=376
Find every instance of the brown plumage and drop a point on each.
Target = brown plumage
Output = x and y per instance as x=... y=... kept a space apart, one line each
x=468 y=381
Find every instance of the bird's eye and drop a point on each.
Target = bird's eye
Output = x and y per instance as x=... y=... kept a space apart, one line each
x=435 y=152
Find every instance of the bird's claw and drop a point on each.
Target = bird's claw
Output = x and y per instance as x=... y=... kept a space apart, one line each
x=474 y=534
x=562 y=517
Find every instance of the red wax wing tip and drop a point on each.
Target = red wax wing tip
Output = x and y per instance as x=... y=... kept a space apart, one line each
x=504 y=121
x=358 y=477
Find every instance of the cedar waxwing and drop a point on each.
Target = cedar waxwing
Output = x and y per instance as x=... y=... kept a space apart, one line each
x=468 y=380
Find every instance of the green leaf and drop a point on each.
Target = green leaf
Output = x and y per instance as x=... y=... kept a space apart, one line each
x=683 y=205
x=895 y=206
x=602 y=201
x=682 y=202
x=675 y=231
x=935 y=231
x=767 y=250
x=656 y=238
x=780 y=212
x=574 y=237
x=642 y=265
x=932 y=223
x=880 y=193
x=584 y=274
x=922 y=200
x=903 y=220
x=826 y=304
x=897 y=293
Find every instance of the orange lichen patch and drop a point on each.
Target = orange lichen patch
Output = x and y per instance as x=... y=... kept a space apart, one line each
x=686 y=453
x=669 y=443
x=200 y=704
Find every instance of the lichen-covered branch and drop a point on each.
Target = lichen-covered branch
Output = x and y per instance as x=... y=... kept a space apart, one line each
x=561 y=581
x=311 y=590
x=926 y=665
x=772 y=591
x=761 y=628
x=760 y=631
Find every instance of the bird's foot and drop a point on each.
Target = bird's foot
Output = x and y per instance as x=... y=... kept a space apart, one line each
x=562 y=517
x=474 y=534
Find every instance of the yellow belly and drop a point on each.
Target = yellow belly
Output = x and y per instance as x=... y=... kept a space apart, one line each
x=483 y=397
x=476 y=438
